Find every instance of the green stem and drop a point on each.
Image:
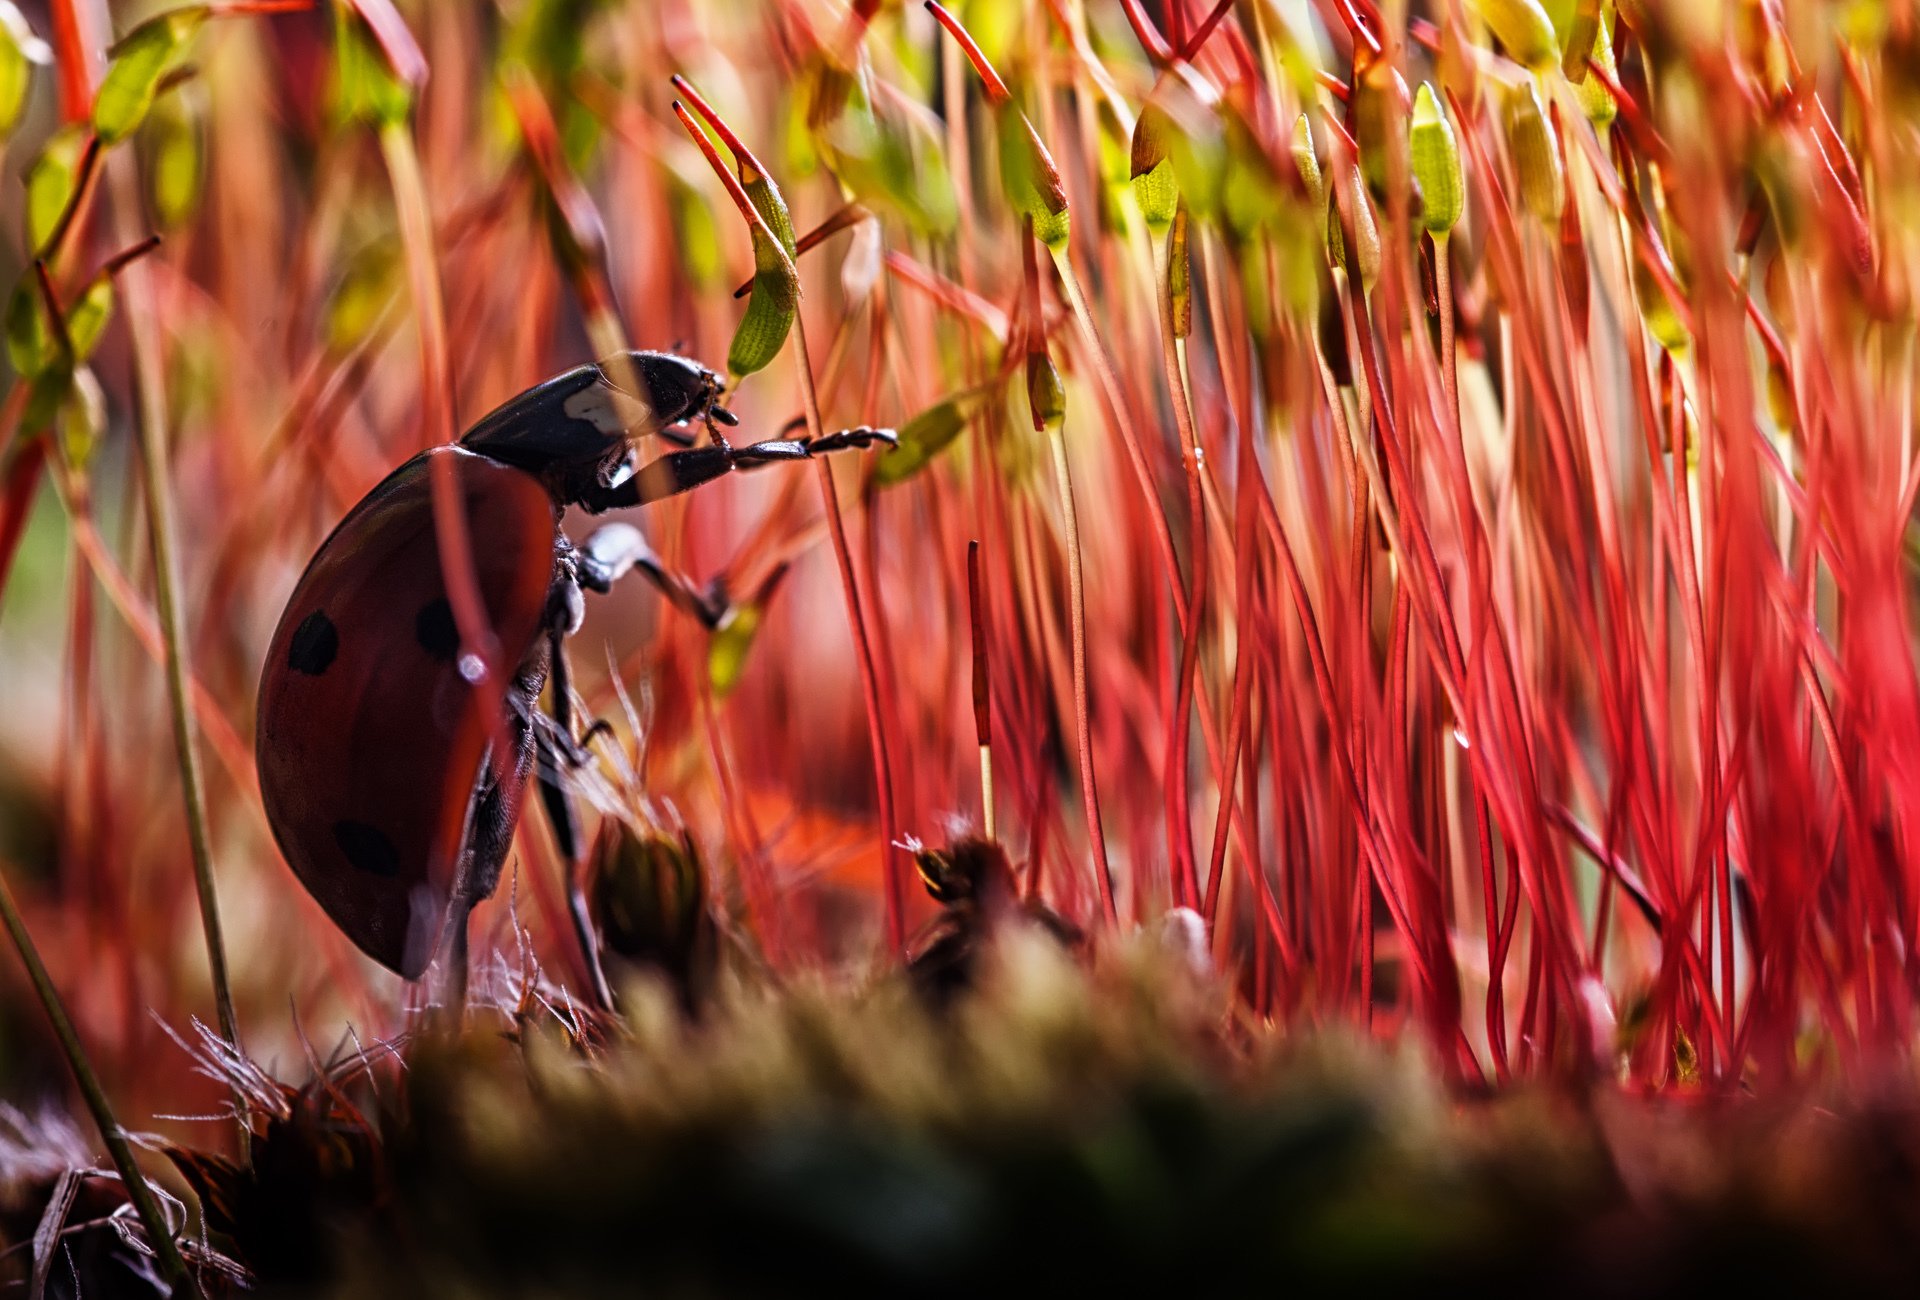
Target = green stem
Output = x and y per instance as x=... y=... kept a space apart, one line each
x=1180 y=820
x=1077 y=599
x=159 y=1234
x=150 y=392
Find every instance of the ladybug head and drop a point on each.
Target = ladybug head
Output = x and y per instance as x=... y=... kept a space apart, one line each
x=679 y=389
x=577 y=432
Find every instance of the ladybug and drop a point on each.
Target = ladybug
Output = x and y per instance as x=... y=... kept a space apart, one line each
x=376 y=729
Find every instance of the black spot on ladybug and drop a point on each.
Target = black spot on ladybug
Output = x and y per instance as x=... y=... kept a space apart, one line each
x=367 y=848
x=434 y=629
x=315 y=642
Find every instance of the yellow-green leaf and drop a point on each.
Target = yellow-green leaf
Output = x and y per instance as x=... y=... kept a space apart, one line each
x=87 y=319
x=365 y=87
x=32 y=347
x=81 y=420
x=1250 y=194
x=176 y=162
x=139 y=61
x=49 y=390
x=363 y=294
x=29 y=342
x=925 y=436
x=892 y=160
x=727 y=651
x=50 y=181
x=769 y=317
x=696 y=235
x=20 y=49
x=1657 y=310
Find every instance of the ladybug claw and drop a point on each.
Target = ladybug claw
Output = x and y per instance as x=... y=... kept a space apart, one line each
x=575 y=752
x=860 y=438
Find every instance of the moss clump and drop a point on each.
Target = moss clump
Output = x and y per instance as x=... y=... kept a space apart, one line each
x=1110 y=1126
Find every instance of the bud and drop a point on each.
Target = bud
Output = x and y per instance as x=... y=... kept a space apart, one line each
x=20 y=49
x=1583 y=28
x=1536 y=153
x=1365 y=264
x=1180 y=275
x=1436 y=164
x=1046 y=394
x=1657 y=310
x=1369 y=114
x=770 y=313
x=649 y=905
x=1306 y=163
x=1524 y=28
x=1031 y=178
x=1155 y=188
x=1596 y=101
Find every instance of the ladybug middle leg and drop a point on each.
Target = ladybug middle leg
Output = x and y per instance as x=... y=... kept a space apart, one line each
x=492 y=813
x=610 y=553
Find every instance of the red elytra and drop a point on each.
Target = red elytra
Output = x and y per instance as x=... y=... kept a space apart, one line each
x=373 y=744
x=370 y=737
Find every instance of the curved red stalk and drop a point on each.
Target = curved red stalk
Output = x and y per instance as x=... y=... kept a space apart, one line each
x=997 y=92
x=1204 y=31
x=1159 y=53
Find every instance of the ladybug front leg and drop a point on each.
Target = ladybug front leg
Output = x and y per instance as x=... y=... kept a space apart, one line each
x=682 y=471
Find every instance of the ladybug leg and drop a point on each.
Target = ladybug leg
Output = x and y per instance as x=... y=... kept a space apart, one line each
x=491 y=817
x=614 y=550
x=682 y=471
x=559 y=754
